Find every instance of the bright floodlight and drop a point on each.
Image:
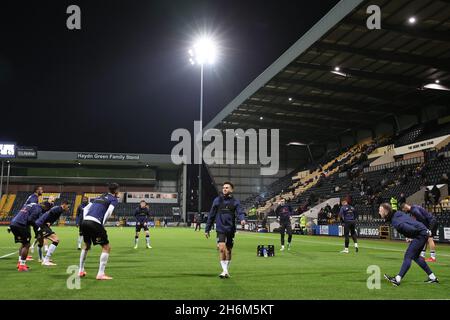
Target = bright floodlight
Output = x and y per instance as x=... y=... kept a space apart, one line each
x=412 y=20
x=204 y=51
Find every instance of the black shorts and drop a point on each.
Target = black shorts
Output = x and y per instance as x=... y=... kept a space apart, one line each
x=286 y=227
x=45 y=231
x=21 y=234
x=227 y=237
x=349 y=228
x=433 y=228
x=36 y=232
x=139 y=227
x=94 y=232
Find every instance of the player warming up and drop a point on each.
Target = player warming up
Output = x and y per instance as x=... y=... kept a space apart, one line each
x=44 y=231
x=20 y=227
x=430 y=222
x=348 y=216
x=223 y=212
x=284 y=213
x=79 y=219
x=142 y=214
x=95 y=215
x=418 y=234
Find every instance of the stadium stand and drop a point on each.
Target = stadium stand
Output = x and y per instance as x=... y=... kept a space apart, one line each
x=349 y=175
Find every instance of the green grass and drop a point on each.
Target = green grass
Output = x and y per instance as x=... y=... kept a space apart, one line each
x=184 y=265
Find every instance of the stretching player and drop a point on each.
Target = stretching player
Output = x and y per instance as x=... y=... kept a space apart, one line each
x=429 y=221
x=34 y=198
x=142 y=214
x=20 y=227
x=43 y=224
x=348 y=216
x=95 y=215
x=284 y=213
x=224 y=210
x=79 y=219
x=414 y=230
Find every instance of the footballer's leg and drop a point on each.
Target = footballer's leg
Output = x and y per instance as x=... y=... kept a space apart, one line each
x=106 y=249
x=136 y=236
x=55 y=241
x=353 y=234
x=80 y=238
x=40 y=244
x=83 y=256
x=23 y=257
x=147 y=237
x=102 y=239
x=45 y=245
x=289 y=232
x=223 y=257
x=87 y=238
x=347 y=239
x=282 y=230
x=432 y=250
x=229 y=247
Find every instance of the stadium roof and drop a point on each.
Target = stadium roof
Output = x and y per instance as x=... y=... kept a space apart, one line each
x=381 y=73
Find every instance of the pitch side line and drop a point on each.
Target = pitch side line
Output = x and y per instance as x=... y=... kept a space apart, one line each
x=339 y=244
x=7 y=255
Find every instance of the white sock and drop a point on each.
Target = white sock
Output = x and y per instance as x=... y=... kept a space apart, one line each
x=103 y=261
x=83 y=255
x=80 y=239
x=22 y=262
x=433 y=254
x=228 y=264
x=356 y=245
x=46 y=247
x=223 y=263
x=50 y=251
x=147 y=239
x=398 y=278
x=32 y=249
x=136 y=241
x=422 y=254
x=432 y=276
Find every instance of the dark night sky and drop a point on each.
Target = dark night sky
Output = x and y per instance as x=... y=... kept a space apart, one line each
x=123 y=83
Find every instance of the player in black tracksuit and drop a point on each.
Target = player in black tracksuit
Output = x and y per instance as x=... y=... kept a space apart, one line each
x=417 y=234
x=142 y=215
x=224 y=211
x=284 y=213
x=348 y=215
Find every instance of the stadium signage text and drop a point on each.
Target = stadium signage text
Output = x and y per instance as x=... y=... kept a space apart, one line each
x=26 y=152
x=257 y=151
x=107 y=156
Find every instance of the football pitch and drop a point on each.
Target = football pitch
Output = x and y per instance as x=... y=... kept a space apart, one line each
x=184 y=265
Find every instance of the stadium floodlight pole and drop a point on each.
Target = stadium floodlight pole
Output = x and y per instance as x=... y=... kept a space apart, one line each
x=203 y=52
